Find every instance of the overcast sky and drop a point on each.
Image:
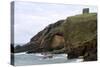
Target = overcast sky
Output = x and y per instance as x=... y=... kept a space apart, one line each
x=30 y=17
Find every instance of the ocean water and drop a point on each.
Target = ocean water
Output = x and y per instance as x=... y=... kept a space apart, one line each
x=37 y=59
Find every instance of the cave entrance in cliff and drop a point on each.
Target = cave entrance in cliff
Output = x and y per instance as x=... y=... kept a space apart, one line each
x=58 y=41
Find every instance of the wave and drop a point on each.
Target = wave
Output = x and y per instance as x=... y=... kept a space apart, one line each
x=54 y=56
x=38 y=54
x=20 y=53
x=79 y=60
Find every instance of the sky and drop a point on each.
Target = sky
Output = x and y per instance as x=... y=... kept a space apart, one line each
x=32 y=17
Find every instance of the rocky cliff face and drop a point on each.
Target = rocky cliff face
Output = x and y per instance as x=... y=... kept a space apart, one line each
x=52 y=32
x=80 y=32
x=49 y=36
x=49 y=39
x=75 y=36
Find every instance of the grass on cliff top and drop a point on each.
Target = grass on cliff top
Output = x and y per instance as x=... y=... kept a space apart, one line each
x=80 y=28
x=83 y=17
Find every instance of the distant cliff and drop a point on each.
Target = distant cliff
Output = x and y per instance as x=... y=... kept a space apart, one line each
x=75 y=36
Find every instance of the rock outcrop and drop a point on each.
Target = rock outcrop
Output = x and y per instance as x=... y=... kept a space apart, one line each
x=52 y=37
x=90 y=52
x=80 y=32
x=49 y=39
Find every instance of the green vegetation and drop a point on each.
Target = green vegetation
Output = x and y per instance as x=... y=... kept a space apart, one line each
x=80 y=28
x=79 y=33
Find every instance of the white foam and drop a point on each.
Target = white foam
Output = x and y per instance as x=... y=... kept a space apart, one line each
x=58 y=57
x=79 y=60
x=20 y=53
x=38 y=54
x=64 y=55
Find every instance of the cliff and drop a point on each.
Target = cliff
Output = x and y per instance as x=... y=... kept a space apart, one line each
x=49 y=39
x=79 y=33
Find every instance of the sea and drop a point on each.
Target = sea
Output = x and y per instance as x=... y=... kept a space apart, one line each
x=21 y=59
